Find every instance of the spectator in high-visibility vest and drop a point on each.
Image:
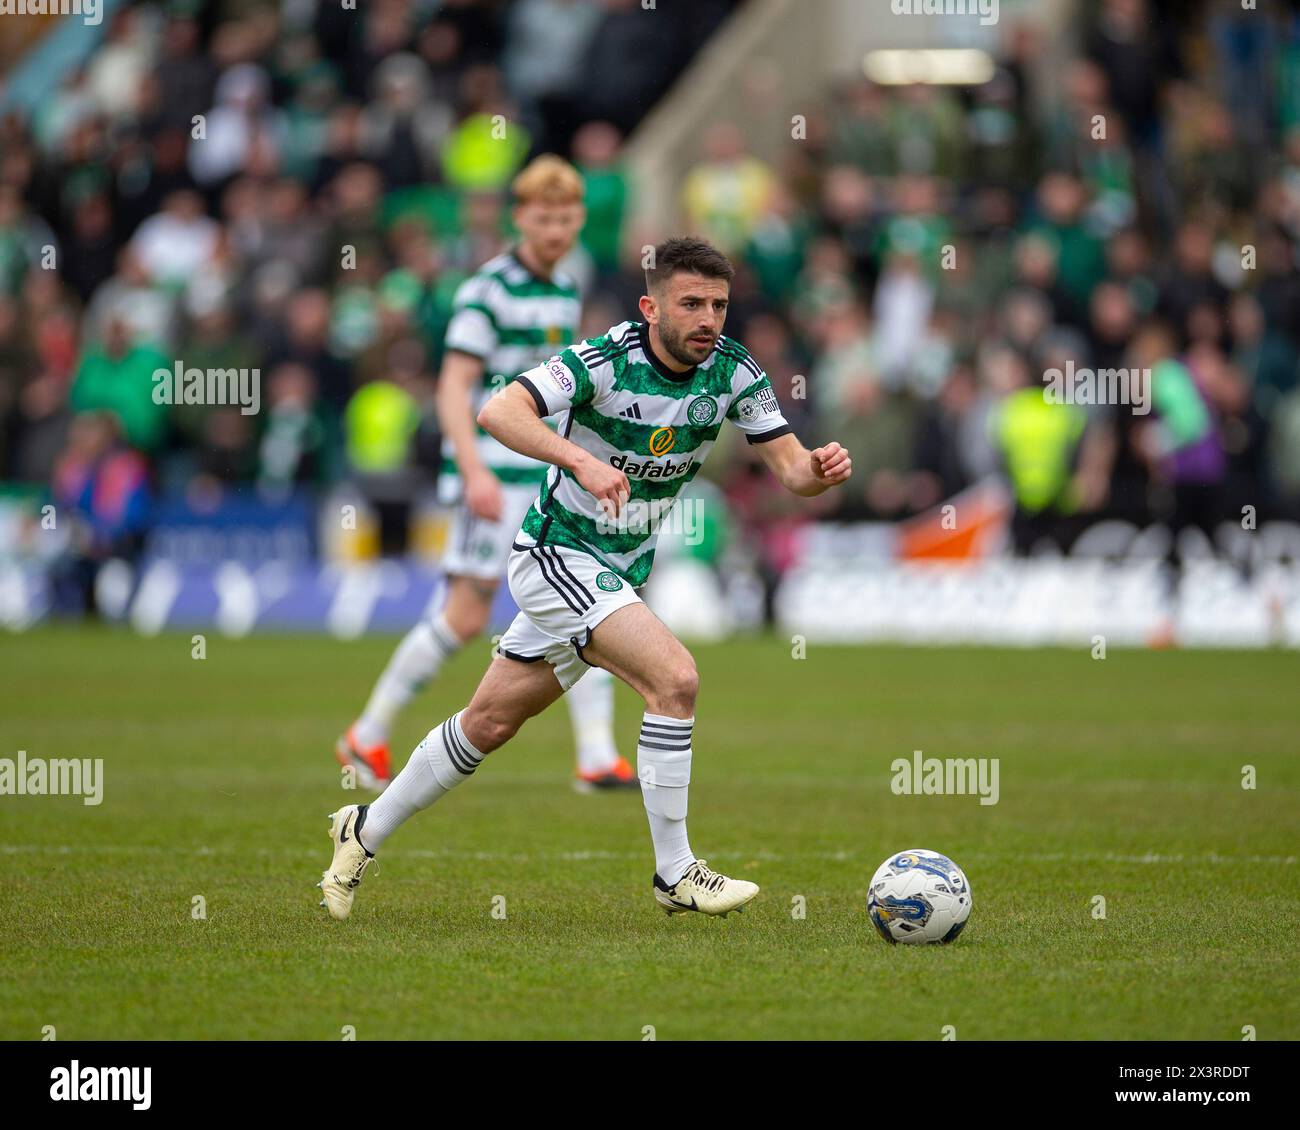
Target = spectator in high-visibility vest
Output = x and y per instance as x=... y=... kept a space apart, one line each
x=1052 y=472
x=380 y=421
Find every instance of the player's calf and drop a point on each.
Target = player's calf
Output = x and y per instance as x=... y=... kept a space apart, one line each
x=637 y=646
x=489 y=726
x=509 y=693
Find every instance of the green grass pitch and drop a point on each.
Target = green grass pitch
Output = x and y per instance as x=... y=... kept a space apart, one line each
x=1120 y=777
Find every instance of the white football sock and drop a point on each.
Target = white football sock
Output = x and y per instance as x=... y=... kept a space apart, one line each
x=663 y=762
x=417 y=659
x=673 y=853
x=591 y=710
x=437 y=765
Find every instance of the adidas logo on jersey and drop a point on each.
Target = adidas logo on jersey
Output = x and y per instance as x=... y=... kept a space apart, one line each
x=632 y=411
x=648 y=468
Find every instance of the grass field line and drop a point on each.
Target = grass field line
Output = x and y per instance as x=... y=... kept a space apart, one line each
x=602 y=856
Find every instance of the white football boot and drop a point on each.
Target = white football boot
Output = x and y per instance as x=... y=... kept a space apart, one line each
x=704 y=890
x=349 y=862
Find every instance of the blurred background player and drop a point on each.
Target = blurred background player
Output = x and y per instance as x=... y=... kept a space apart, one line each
x=515 y=312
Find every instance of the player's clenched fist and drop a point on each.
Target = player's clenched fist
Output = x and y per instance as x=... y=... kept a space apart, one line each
x=831 y=464
x=607 y=484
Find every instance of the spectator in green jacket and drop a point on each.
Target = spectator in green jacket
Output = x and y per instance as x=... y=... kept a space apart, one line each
x=117 y=377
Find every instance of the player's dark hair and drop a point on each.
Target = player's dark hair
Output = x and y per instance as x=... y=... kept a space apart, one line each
x=688 y=255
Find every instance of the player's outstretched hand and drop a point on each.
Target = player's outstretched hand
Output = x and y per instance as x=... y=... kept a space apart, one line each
x=607 y=484
x=831 y=464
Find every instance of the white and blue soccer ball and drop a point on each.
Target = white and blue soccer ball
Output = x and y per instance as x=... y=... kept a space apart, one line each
x=917 y=897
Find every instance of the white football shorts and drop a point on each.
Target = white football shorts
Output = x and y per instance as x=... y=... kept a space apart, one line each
x=562 y=595
x=479 y=548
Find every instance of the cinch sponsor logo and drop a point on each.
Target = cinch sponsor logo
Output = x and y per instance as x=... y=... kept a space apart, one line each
x=560 y=375
x=102 y=1084
x=645 y=469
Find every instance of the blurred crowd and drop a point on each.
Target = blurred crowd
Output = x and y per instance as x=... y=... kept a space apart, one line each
x=296 y=187
x=299 y=188
x=931 y=256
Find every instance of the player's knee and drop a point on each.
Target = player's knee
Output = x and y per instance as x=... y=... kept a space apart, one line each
x=676 y=688
x=469 y=606
x=476 y=619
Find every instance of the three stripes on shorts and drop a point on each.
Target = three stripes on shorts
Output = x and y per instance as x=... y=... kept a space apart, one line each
x=558 y=575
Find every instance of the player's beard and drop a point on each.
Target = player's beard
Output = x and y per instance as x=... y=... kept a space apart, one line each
x=678 y=347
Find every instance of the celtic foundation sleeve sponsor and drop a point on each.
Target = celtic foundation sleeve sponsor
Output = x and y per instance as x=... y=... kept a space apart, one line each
x=655 y=425
x=754 y=408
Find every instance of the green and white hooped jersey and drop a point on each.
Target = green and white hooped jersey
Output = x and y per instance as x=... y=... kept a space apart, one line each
x=512 y=320
x=622 y=404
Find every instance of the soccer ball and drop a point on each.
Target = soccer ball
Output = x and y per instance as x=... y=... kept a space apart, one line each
x=919 y=896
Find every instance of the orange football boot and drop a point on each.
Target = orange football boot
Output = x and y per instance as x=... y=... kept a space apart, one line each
x=619 y=776
x=373 y=765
